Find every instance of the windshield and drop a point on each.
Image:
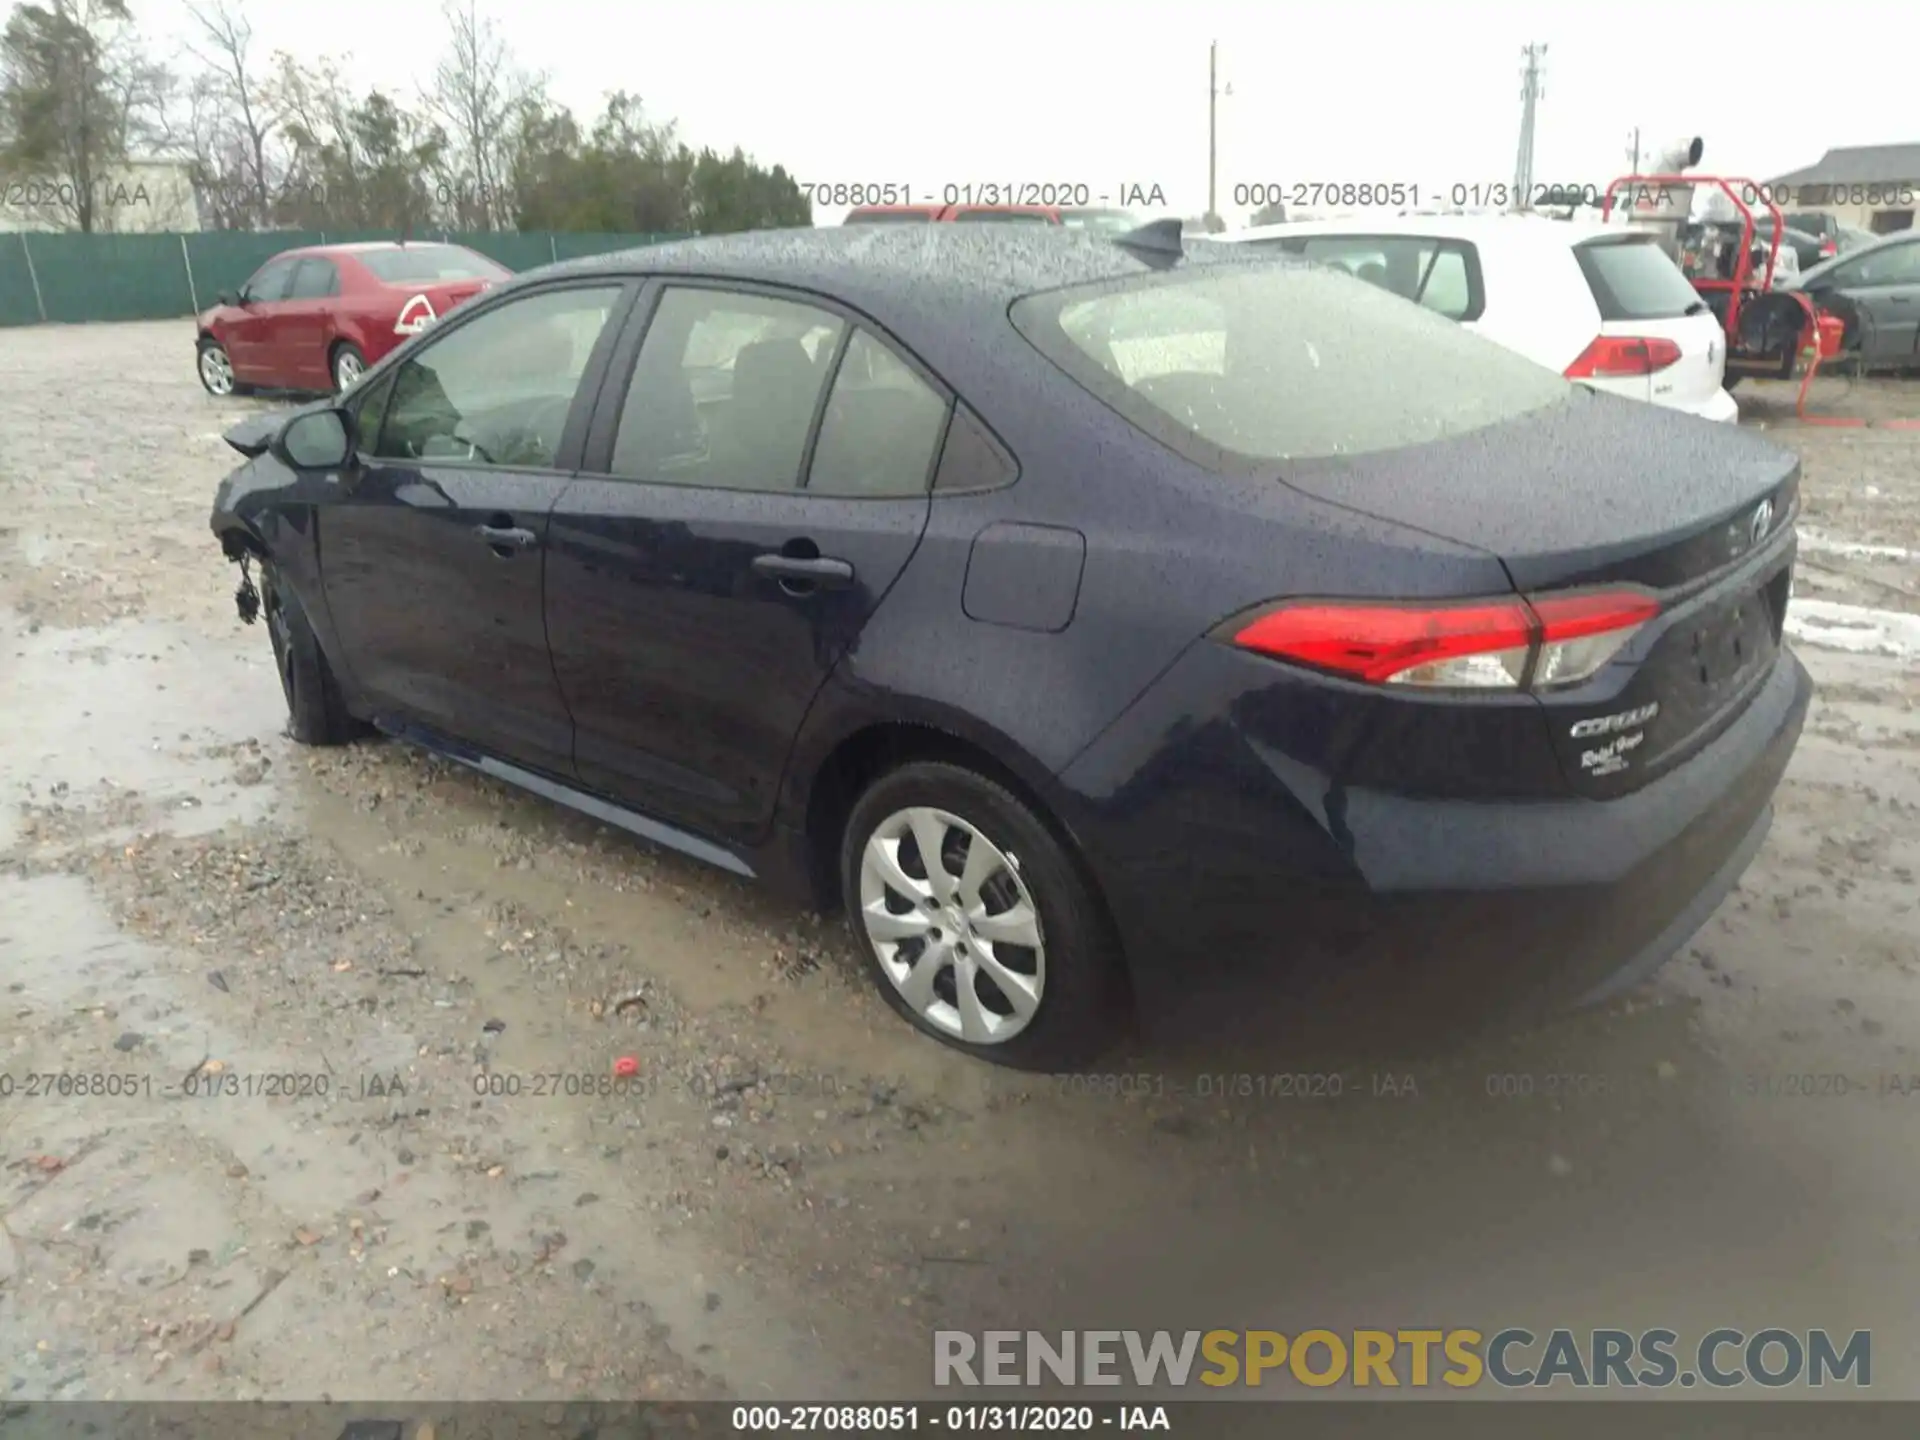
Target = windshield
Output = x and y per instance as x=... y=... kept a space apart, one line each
x=415 y=264
x=1238 y=366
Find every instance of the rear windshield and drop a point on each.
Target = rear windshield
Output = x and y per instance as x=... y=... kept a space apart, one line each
x=1241 y=365
x=415 y=264
x=1002 y=217
x=1634 y=280
x=1116 y=222
x=889 y=217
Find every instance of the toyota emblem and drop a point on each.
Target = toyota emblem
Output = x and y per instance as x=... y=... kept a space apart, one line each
x=1761 y=523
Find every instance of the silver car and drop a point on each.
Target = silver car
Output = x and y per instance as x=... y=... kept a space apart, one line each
x=1880 y=284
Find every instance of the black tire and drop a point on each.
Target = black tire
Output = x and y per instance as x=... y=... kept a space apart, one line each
x=1729 y=383
x=342 y=352
x=316 y=710
x=1080 y=1009
x=209 y=345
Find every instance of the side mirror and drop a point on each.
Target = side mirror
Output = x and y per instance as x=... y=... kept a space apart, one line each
x=319 y=440
x=225 y=297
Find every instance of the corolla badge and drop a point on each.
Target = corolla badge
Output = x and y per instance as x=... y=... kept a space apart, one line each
x=415 y=316
x=1614 y=724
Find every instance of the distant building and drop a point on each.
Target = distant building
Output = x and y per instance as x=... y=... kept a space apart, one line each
x=1871 y=187
x=142 y=197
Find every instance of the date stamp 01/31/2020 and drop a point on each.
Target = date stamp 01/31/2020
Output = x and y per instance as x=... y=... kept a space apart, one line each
x=209 y=1084
x=1627 y=193
x=1323 y=1087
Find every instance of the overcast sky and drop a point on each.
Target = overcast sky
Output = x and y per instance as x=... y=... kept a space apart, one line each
x=1108 y=95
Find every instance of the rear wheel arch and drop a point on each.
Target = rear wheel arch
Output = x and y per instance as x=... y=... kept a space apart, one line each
x=863 y=756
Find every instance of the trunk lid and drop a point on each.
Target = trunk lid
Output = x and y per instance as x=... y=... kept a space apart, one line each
x=424 y=304
x=1598 y=492
x=1646 y=302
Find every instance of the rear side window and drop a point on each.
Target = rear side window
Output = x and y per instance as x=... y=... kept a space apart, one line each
x=1634 y=280
x=972 y=459
x=881 y=426
x=314 y=280
x=1238 y=366
x=725 y=390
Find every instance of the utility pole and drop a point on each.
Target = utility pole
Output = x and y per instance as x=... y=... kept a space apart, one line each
x=1530 y=94
x=1213 y=125
x=1634 y=153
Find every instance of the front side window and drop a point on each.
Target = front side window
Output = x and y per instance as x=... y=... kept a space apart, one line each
x=1894 y=265
x=497 y=390
x=269 y=282
x=724 y=390
x=1238 y=366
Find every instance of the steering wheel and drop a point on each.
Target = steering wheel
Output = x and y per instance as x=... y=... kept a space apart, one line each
x=475 y=451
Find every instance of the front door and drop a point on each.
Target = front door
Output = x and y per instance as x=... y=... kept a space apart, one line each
x=299 y=327
x=249 y=337
x=765 y=475
x=433 y=560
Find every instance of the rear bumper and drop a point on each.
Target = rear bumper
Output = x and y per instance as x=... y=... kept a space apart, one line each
x=1721 y=407
x=1234 y=871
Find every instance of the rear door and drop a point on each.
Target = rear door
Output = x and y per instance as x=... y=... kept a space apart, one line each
x=301 y=328
x=757 y=478
x=1658 y=341
x=250 y=336
x=433 y=556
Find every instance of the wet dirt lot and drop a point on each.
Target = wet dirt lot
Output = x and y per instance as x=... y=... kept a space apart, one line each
x=336 y=1029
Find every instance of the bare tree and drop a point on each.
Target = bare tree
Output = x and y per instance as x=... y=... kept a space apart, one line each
x=233 y=119
x=476 y=97
x=78 y=97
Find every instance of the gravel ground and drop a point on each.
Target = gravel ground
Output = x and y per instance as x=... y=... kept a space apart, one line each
x=339 y=1028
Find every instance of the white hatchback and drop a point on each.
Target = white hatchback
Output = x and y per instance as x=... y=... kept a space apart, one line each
x=1601 y=304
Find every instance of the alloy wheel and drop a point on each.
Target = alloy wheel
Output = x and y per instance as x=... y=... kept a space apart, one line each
x=953 y=925
x=347 y=370
x=216 y=371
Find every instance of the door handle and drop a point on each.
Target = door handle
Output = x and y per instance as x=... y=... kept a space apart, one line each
x=811 y=572
x=505 y=539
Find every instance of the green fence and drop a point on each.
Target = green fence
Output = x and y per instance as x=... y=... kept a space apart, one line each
x=72 y=279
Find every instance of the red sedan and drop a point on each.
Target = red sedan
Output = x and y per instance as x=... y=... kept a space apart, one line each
x=316 y=318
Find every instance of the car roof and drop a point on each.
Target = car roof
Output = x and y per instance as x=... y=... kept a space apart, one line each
x=1476 y=228
x=942 y=290
x=891 y=271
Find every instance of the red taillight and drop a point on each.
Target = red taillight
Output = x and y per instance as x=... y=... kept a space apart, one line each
x=1479 y=645
x=1829 y=248
x=1623 y=357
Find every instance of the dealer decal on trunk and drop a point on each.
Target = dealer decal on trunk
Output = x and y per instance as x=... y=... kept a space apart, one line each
x=415 y=316
x=1611 y=758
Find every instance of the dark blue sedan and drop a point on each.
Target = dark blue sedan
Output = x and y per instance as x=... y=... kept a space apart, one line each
x=1101 y=624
